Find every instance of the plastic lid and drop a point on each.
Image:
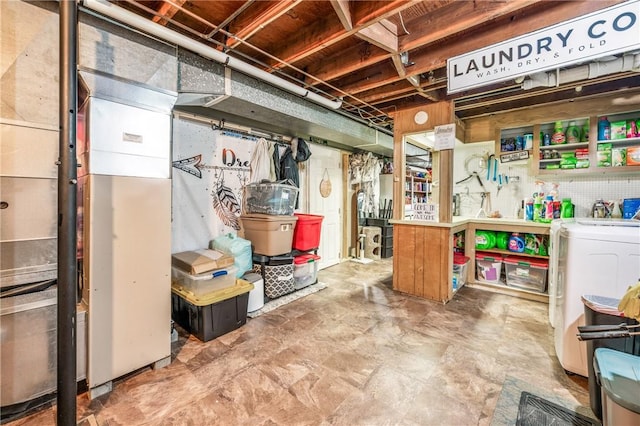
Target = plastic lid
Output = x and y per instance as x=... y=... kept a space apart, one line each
x=603 y=305
x=526 y=261
x=482 y=255
x=305 y=258
x=215 y=296
x=231 y=270
x=460 y=259
x=620 y=377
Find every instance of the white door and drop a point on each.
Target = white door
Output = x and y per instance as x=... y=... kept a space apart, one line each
x=330 y=207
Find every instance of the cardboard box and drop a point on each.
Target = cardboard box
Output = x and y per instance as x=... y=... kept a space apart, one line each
x=618 y=157
x=199 y=261
x=619 y=129
x=603 y=155
x=633 y=156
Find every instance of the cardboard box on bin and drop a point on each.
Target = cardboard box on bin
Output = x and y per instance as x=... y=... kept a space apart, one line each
x=270 y=235
x=199 y=261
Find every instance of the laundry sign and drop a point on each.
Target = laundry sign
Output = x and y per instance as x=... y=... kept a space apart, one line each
x=605 y=32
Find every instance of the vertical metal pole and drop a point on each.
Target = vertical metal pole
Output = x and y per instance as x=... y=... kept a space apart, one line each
x=67 y=183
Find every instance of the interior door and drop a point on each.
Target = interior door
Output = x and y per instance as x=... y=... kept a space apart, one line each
x=329 y=207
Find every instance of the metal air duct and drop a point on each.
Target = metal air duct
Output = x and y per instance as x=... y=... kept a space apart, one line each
x=150 y=27
x=583 y=72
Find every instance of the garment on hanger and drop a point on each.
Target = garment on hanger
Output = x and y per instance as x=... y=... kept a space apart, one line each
x=273 y=176
x=260 y=161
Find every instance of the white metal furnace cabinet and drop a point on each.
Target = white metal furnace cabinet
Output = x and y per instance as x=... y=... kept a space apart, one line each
x=124 y=203
x=596 y=257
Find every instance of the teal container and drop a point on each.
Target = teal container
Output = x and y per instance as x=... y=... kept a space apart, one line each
x=485 y=239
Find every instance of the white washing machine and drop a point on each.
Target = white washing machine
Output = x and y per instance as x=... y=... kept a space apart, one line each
x=554 y=241
x=597 y=257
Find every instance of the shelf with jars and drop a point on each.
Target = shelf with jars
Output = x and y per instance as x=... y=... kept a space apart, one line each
x=589 y=145
x=564 y=145
x=515 y=139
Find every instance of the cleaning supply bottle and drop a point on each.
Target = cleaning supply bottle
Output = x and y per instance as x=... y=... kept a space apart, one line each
x=604 y=129
x=516 y=243
x=538 y=208
x=485 y=239
x=548 y=209
x=528 y=208
x=566 y=208
x=573 y=133
x=558 y=137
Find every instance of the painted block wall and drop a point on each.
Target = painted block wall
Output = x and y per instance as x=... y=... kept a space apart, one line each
x=583 y=190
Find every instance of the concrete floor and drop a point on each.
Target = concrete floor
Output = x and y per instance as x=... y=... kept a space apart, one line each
x=355 y=353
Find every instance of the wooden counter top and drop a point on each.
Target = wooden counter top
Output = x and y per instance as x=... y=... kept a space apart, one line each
x=462 y=220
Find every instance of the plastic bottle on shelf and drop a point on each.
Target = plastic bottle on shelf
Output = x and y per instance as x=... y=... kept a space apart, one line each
x=573 y=133
x=566 y=208
x=558 y=137
x=604 y=129
x=548 y=208
x=584 y=137
x=528 y=208
x=516 y=243
x=538 y=208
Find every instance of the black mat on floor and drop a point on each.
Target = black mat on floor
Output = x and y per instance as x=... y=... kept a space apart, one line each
x=536 y=411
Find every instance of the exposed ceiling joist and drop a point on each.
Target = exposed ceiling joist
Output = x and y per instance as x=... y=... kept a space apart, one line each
x=341 y=8
x=168 y=11
x=258 y=23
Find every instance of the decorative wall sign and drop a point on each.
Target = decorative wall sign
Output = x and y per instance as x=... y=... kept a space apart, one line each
x=445 y=137
x=602 y=33
x=425 y=211
x=514 y=156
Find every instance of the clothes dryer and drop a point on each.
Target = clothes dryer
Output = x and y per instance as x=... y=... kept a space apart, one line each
x=598 y=257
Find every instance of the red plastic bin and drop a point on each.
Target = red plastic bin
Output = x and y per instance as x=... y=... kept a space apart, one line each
x=306 y=234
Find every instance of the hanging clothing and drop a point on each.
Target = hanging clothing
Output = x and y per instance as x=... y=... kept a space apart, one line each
x=302 y=150
x=260 y=162
x=276 y=162
x=273 y=176
x=289 y=168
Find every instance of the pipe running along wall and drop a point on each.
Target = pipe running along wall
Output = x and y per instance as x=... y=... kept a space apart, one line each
x=168 y=35
x=583 y=72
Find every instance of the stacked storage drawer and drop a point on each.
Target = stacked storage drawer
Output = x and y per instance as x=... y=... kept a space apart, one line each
x=305 y=270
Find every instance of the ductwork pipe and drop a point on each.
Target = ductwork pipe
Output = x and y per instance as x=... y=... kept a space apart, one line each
x=583 y=72
x=150 y=27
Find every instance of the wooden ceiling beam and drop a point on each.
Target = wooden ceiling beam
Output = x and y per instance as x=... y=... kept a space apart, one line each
x=382 y=34
x=435 y=57
x=456 y=18
x=437 y=54
x=341 y=7
x=168 y=11
x=327 y=32
x=259 y=22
